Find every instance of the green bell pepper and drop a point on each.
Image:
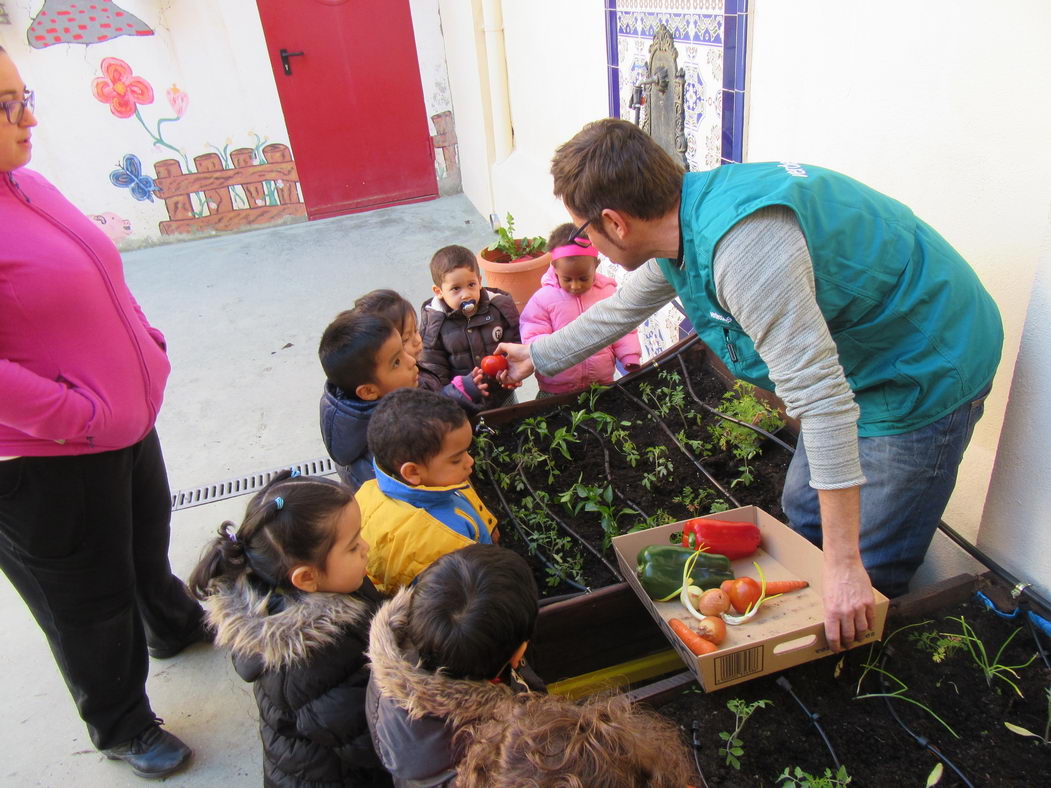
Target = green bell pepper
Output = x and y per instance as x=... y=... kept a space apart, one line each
x=660 y=568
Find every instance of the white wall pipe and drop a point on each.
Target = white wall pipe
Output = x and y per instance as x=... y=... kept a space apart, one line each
x=496 y=58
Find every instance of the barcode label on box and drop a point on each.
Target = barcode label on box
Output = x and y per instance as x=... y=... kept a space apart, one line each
x=738 y=665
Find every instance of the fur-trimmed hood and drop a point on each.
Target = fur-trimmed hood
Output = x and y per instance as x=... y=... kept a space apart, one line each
x=262 y=640
x=398 y=675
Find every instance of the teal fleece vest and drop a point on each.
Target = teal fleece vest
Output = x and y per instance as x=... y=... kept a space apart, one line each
x=917 y=334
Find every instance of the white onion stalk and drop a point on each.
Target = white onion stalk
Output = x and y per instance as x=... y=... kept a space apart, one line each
x=749 y=614
x=684 y=592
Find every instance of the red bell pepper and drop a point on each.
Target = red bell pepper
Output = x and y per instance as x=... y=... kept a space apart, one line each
x=725 y=537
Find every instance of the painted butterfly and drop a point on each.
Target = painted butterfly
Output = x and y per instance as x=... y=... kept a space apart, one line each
x=128 y=175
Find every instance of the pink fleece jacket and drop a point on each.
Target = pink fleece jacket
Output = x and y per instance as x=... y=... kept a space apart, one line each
x=551 y=308
x=81 y=370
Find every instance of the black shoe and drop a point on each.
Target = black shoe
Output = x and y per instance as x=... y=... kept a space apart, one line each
x=200 y=634
x=152 y=754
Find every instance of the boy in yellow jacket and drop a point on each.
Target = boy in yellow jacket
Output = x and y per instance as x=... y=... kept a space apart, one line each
x=420 y=505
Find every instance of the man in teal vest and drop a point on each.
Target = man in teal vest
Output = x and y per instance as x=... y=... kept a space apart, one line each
x=873 y=330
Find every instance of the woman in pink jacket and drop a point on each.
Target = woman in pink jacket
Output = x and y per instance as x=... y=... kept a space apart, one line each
x=84 y=498
x=569 y=287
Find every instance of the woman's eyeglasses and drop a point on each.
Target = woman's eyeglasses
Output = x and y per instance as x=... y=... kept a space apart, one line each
x=15 y=109
x=578 y=236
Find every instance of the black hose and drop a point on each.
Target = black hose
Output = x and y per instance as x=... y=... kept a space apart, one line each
x=923 y=741
x=536 y=550
x=565 y=526
x=695 y=741
x=654 y=415
x=782 y=682
x=721 y=415
x=609 y=474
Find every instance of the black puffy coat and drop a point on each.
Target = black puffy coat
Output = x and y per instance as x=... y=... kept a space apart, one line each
x=305 y=657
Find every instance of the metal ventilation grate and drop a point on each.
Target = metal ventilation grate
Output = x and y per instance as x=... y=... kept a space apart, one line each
x=231 y=488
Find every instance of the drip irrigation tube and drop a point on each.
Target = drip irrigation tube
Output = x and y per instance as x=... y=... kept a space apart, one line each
x=923 y=741
x=565 y=526
x=609 y=473
x=721 y=415
x=683 y=449
x=536 y=550
x=1035 y=623
x=782 y=682
x=695 y=741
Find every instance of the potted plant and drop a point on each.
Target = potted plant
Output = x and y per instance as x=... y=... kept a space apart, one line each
x=515 y=265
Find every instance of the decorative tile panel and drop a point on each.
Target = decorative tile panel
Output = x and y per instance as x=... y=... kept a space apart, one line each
x=710 y=38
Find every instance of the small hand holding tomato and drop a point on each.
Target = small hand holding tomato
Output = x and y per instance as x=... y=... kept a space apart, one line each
x=478 y=378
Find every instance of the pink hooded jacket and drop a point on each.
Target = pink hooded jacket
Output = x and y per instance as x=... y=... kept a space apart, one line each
x=550 y=308
x=81 y=371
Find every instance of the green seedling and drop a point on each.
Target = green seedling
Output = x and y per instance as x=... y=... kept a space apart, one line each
x=662 y=467
x=733 y=747
x=802 y=779
x=506 y=243
x=1046 y=738
x=991 y=668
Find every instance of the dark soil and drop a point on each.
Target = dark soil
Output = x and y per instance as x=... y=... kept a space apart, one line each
x=873 y=747
x=587 y=463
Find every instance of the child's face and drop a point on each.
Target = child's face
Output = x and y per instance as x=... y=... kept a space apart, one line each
x=410 y=336
x=453 y=464
x=576 y=275
x=395 y=368
x=344 y=567
x=458 y=286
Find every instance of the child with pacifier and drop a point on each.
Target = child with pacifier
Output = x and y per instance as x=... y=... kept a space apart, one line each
x=570 y=286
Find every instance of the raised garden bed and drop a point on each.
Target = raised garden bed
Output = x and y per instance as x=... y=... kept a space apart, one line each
x=923 y=677
x=564 y=475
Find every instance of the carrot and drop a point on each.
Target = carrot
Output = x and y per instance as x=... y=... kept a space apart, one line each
x=693 y=641
x=784 y=586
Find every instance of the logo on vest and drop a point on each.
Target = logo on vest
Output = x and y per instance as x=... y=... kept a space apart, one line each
x=793 y=168
x=720 y=318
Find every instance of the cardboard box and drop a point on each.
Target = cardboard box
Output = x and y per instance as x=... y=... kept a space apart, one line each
x=787 y=631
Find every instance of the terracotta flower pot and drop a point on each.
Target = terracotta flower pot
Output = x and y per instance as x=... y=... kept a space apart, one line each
x=520 y=278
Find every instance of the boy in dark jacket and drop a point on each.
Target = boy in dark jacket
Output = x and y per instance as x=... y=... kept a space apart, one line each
x=447 y=655
x=464 y=321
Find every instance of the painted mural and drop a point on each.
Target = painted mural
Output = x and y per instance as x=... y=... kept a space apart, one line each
x=5 y=19
x=221 y=190
x=84 y=22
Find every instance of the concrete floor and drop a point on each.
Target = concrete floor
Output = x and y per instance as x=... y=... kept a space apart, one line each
x=243 y=315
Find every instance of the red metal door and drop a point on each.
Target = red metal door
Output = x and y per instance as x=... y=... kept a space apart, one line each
x=349 y=84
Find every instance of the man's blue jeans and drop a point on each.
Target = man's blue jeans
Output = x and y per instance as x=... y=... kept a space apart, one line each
x=909 y=480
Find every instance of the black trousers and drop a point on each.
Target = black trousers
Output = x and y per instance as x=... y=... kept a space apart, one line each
x=84 y=540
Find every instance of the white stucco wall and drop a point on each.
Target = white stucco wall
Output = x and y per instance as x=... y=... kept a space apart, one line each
x=1016 y=526
x=931 y=104
x=556 y=75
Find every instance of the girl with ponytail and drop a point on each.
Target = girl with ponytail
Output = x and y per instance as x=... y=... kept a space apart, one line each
x=286 y=592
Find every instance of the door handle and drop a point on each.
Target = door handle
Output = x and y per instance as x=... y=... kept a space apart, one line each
x=285 y=55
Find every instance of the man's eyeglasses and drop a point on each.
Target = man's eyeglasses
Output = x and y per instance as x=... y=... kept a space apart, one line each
x=578 y=236
x=15 y=109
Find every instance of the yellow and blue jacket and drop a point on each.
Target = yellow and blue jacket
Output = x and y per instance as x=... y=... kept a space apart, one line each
x=408 y=528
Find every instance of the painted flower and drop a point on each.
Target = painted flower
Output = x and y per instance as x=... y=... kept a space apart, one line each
x=119 y=88
x=179 y=100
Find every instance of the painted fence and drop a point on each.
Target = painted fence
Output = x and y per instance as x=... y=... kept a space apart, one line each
x=270 y=189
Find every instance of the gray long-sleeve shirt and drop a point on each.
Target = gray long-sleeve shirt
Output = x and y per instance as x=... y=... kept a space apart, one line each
x=765 y=279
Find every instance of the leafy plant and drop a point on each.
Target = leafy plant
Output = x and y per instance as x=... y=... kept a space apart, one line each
x=662 y=466
x=940 y=645
x=742 y=404
x=991 y=668
x=542 y=533
x=507 y=244
x=733 y=747
x=598 y=500
x=700 y=501
x=1046 y=738
x=801 y=779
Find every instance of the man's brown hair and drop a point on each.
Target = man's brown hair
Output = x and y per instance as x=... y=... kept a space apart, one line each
x=448 y=259
x=614 y=164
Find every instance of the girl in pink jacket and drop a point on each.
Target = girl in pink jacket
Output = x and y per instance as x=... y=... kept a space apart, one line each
x=571 y=285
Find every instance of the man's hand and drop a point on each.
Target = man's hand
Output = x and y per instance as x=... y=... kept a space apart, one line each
x=848 y=603
x=520 y=364
x=847 y=589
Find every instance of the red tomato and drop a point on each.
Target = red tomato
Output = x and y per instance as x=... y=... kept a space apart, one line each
x=744 y=593
x=491 y=365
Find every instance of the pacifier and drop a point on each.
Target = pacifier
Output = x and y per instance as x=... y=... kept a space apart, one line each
x=468 y=306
